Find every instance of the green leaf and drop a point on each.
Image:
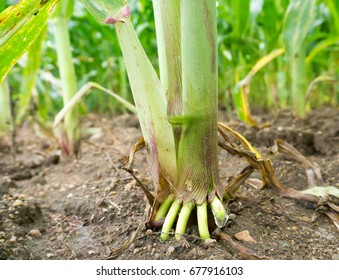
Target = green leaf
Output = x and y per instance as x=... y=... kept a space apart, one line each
x=242 y=88
x=64 y=9
x=20 y=25
x=241 y=16
x=298 y=20
x=333 y=40
x=150 y=101
x=149 y=96
x=108 y=11
x=29 y=76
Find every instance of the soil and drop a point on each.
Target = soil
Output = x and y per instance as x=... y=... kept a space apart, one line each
x=53 y=207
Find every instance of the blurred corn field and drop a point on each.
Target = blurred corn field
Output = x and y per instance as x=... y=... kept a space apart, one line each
x=289 y=48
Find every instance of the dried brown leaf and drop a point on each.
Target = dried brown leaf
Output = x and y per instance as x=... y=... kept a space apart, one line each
x=334 y=218
x=244 y=236
x=313 y=173
x=245 y=252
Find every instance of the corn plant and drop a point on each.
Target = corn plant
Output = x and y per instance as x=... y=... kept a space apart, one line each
x=69 y=136
x=298 y=20
x=20 y=26
x=178 y=113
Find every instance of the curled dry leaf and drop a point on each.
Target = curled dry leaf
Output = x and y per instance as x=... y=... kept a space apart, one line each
x=244 y=236
x=313 y=174
x=334 y=217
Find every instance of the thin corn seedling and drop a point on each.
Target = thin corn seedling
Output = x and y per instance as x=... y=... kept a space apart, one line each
x=298 y=20
x=69 y=138
x=242 y=89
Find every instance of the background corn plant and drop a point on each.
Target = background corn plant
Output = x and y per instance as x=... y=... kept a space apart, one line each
x=247 y=31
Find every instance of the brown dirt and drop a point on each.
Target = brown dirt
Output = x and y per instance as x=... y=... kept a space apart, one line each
x=85 y=208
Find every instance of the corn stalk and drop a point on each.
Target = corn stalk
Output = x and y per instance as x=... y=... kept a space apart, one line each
x=178 y=114
x=298 y=20
x=69 y=136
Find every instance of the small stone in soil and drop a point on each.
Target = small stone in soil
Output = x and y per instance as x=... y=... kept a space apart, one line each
x=17 y=203
x=61 y=237
x=335 y=257
x=34 y=233
x=285 y=245
x=13 y=238
x=170 y=250
x=232 y=216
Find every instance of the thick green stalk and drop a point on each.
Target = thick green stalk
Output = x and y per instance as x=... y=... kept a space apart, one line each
x=167 y=20
x=71 y=144
x=168 y=29
x=197 y=151
x=5 y=112
x=298 y=85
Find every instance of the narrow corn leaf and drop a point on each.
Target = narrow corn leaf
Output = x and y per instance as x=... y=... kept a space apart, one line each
x=78 y=97
x=150 y=102
x=241 y=16
x=242 y=88
x=334 y=10
x=148 y=94
x=20 y=25
x=322 y=45
x=319 y=79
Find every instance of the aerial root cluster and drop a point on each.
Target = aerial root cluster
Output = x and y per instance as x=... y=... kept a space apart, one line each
x=174 y=208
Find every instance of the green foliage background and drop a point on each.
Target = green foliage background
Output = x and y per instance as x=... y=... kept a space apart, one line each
x=247 y=31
